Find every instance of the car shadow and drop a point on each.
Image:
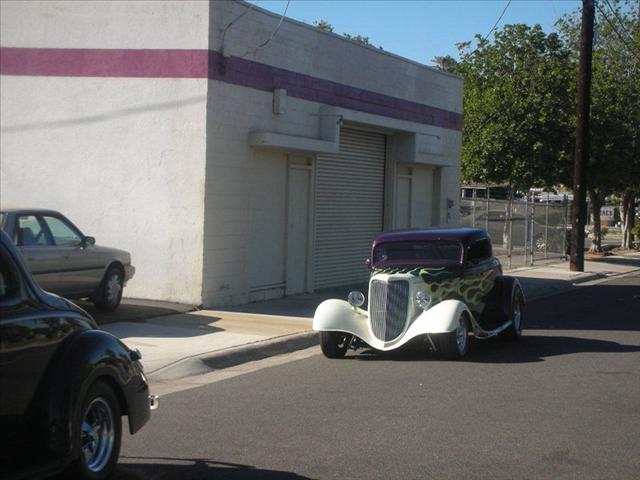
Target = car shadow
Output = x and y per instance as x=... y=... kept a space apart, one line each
x=158 y=468
x=528 y=349
x=134 y=310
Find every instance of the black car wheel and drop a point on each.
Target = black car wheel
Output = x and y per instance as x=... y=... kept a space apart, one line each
x=514 y=331
x=334 y=344
x=454 y=345
x=109 y=293
x=99 y=430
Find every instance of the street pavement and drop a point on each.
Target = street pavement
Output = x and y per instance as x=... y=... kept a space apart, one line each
x=182 y=342
x=562 y=403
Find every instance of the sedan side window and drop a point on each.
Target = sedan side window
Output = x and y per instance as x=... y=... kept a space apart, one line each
x=63 y=234
x=30 y=232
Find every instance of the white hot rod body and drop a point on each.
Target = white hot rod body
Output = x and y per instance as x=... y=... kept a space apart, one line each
x=440 y=284
x=391 y=320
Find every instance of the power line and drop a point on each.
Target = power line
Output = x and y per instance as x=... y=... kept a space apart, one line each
x=273 y=34
x=620 y=22
x=622 y=39
x=498 y=21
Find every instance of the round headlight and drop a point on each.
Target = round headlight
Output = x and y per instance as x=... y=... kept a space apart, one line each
x=356 y=299
x=423 y=300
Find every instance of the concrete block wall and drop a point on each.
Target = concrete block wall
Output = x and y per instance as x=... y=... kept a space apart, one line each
x=122 y=156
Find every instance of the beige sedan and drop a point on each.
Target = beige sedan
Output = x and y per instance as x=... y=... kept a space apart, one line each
x=65 y=261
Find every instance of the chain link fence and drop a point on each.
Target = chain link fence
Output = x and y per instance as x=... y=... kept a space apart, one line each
x=522 y=231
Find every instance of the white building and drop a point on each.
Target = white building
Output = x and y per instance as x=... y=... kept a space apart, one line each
x=236 y=159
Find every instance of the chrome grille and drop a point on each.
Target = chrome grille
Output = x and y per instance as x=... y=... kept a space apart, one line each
x=388 y=305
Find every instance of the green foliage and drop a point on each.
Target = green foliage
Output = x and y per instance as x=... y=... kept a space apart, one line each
x=615 y=95
x=518 y=108
x=323 y=25
x=327 y=27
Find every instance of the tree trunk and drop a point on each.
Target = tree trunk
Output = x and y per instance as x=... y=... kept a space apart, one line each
x=596 y=238
x=627 y=217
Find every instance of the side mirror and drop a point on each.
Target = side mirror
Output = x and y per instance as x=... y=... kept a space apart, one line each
x=86 y=241
x=367 y=262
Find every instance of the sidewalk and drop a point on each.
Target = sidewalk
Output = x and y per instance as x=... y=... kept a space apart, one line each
x=188 y=343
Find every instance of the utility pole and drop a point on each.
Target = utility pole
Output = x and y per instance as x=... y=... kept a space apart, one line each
x=579 y=212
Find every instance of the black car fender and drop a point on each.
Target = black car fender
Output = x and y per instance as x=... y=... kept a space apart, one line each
x=499 y=302
x=83 y=359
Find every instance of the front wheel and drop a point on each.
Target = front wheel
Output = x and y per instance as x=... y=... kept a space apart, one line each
x=99 y=431
x=454 y=345
x=334 y=344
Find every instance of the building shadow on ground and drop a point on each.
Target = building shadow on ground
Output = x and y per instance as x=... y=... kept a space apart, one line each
x=144 y=468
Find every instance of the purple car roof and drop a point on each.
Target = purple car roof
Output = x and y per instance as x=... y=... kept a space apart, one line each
x=464 y=235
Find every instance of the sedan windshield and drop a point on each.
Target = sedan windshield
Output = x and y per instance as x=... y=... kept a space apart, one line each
x=430 y=252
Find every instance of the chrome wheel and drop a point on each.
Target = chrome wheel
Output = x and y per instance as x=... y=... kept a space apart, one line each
x=516 y=317
x=461 y=336
x=97 y=435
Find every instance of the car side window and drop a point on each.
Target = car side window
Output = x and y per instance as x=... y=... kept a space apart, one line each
x=30 y=232
x=479 y=251
x=63 y=234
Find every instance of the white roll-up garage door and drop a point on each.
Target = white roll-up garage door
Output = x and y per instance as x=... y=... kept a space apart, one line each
x=349 y=207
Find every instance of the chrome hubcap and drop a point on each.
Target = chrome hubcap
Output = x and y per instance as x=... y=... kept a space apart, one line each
x=516 y=316
x=97 y=435
x=461 y=336
x=114 y=287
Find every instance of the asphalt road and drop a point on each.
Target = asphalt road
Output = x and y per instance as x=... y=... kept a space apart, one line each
x=564 y=402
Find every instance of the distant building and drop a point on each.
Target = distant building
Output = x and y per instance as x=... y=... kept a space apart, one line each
x=236 y=157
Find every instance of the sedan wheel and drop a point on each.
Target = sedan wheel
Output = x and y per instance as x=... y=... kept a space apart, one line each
x=110 y=291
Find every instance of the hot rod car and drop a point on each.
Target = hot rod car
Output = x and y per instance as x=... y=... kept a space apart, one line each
x=436 y=285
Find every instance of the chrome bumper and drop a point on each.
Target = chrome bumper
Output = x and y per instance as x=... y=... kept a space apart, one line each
x=154 y=402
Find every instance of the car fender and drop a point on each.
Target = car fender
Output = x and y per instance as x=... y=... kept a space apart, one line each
x=441 y=318
x=78 y=363
x=340 y=316
x=500 y=300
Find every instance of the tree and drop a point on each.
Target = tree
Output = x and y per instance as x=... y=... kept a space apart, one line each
x=446 y=63
x=328 y=27
x=518 y=108
x=323 y=25
x=614 y=164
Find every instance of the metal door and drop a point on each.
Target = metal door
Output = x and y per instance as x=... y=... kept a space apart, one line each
x=349 y=207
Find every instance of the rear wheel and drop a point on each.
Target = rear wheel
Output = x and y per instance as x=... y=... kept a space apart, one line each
x=334 y=344
x=109 y=293
x=514 y=331
x=454 y=345
x=99 y=430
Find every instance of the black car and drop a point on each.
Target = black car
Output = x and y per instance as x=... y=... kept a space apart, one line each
x=64 y=384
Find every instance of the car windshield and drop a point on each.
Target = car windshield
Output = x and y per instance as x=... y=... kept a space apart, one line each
x=429 y=252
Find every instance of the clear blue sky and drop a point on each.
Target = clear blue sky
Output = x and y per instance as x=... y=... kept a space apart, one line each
x=420 y=30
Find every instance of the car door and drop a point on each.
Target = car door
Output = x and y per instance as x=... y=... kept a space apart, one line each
x=480 y=271
x=81 y=268
x=37 y=248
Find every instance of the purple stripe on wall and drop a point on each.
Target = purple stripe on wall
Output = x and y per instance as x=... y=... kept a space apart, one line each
x=211 y=64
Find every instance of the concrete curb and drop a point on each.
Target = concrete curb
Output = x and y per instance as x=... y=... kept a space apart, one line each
x=230 y=357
